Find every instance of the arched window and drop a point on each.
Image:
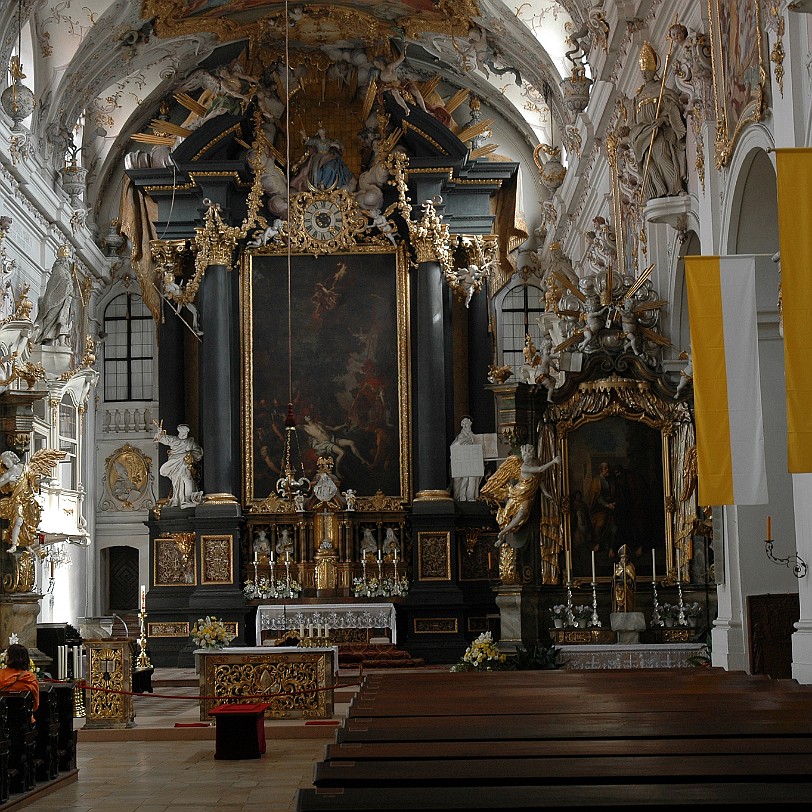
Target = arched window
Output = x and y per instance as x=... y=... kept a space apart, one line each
x=128 y=349
x=521 y=308
x=69 y=443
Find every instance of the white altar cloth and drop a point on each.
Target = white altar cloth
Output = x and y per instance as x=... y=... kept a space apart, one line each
x=276 y=617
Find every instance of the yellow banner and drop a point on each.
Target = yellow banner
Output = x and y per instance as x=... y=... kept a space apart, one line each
x=795 y=239
x=714 y=459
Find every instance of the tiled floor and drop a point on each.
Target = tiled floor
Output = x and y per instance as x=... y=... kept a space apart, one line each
x=155 y=767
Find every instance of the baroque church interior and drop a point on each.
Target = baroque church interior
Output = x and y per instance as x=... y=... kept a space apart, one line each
x=390 y=325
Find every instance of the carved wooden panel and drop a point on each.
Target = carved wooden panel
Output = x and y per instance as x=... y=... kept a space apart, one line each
x=771 y=621
x=434 y=556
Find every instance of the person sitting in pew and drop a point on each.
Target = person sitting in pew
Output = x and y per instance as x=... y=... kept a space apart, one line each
x=16 y=675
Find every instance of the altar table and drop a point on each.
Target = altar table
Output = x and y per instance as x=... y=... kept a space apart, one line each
x=292 y=682
x=278 y=618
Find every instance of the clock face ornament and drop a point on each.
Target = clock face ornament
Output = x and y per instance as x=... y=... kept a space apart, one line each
x=323 y=220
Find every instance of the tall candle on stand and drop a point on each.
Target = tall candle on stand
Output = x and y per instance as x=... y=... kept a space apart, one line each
x=653 y=565
x=143 y=598
x=593 y=566
x=569 y=566
x=769 y=528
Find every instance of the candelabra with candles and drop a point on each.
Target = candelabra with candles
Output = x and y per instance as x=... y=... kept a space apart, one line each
x=594 y=621
x=656 y=619
x=364 y=587
x=794 y=562
x=142 y=661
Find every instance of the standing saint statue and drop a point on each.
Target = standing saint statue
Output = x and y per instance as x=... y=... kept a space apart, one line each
x=466 y=488
x=54 y=316
x=658 y=133
x=624 y=583
x=181 y=466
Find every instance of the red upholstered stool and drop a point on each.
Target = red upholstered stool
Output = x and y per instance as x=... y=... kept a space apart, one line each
x=240 y=730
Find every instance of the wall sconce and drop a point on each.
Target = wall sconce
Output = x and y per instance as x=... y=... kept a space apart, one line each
x=795 y=562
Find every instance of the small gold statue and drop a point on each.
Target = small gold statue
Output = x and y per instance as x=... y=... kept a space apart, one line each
x=21 y=481
x=624 y=583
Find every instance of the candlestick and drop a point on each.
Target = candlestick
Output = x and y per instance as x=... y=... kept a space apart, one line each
x=569 y=567
x=653 y=565
x=143 y=597
x=593 y=566
x=52 y=569
x=769 y=528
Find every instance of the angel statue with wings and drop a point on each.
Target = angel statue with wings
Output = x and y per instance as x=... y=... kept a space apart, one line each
x=514 y=486
x=21 y=481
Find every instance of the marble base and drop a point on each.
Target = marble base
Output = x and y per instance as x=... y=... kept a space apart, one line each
x=663 y=655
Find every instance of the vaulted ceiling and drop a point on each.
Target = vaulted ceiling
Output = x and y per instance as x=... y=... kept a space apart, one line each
x=102 y=68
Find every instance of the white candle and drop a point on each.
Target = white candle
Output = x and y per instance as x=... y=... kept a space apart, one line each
x=379 y=555
x=256 y=557
x=593 y=566
x=143 y=598
x=653 y=565
x=272 y=558
x=301 y=630
x=679 y=573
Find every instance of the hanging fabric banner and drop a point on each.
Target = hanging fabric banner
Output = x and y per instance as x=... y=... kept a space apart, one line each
x=727 y=388
x=795 y=240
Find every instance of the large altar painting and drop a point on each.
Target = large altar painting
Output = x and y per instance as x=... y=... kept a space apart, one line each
x=615 y=478
x=349 y=372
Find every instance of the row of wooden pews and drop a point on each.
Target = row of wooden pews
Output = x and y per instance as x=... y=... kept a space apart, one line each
x=39 y=751
x=562 y=739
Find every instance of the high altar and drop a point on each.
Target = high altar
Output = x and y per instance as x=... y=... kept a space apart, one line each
x=334 y=296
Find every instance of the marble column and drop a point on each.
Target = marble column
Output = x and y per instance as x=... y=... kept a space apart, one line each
x=431 y=381
x=220 y=382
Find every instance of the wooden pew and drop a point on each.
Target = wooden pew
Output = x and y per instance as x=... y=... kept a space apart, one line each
x=562 y=739
x=66 y=744
x=22 y=738
x=46 y=757
x=4 y=751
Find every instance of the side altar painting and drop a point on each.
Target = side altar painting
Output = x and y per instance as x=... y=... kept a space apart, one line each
x=349 y=382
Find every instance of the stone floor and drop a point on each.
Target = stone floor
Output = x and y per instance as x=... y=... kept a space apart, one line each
x=156 y=766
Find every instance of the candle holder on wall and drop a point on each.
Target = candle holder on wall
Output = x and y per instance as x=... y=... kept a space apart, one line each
x=794 y=562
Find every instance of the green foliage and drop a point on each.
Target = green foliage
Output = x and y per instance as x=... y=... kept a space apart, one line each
x=537 y=658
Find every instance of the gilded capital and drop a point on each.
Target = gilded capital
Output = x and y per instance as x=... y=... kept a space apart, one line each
x=216 y=240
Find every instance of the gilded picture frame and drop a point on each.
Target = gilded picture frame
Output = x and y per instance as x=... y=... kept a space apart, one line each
x=739 y=72
x=433 y=556
x=175 y=560
x=216 y=559
x=648 y=446
x=340 y=354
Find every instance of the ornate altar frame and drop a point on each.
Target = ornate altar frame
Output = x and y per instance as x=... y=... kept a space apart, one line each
x=728 y=123
x=633 y=400
x=315 y=341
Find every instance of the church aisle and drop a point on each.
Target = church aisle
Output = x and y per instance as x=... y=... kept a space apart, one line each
x=155 y=776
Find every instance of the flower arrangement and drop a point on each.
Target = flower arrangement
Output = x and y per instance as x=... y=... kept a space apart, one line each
x=263 y=589
x=482 y=655
x=209 y=632
x=372 y=587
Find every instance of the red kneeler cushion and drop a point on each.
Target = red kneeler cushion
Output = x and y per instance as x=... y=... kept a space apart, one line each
x=240 y=730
